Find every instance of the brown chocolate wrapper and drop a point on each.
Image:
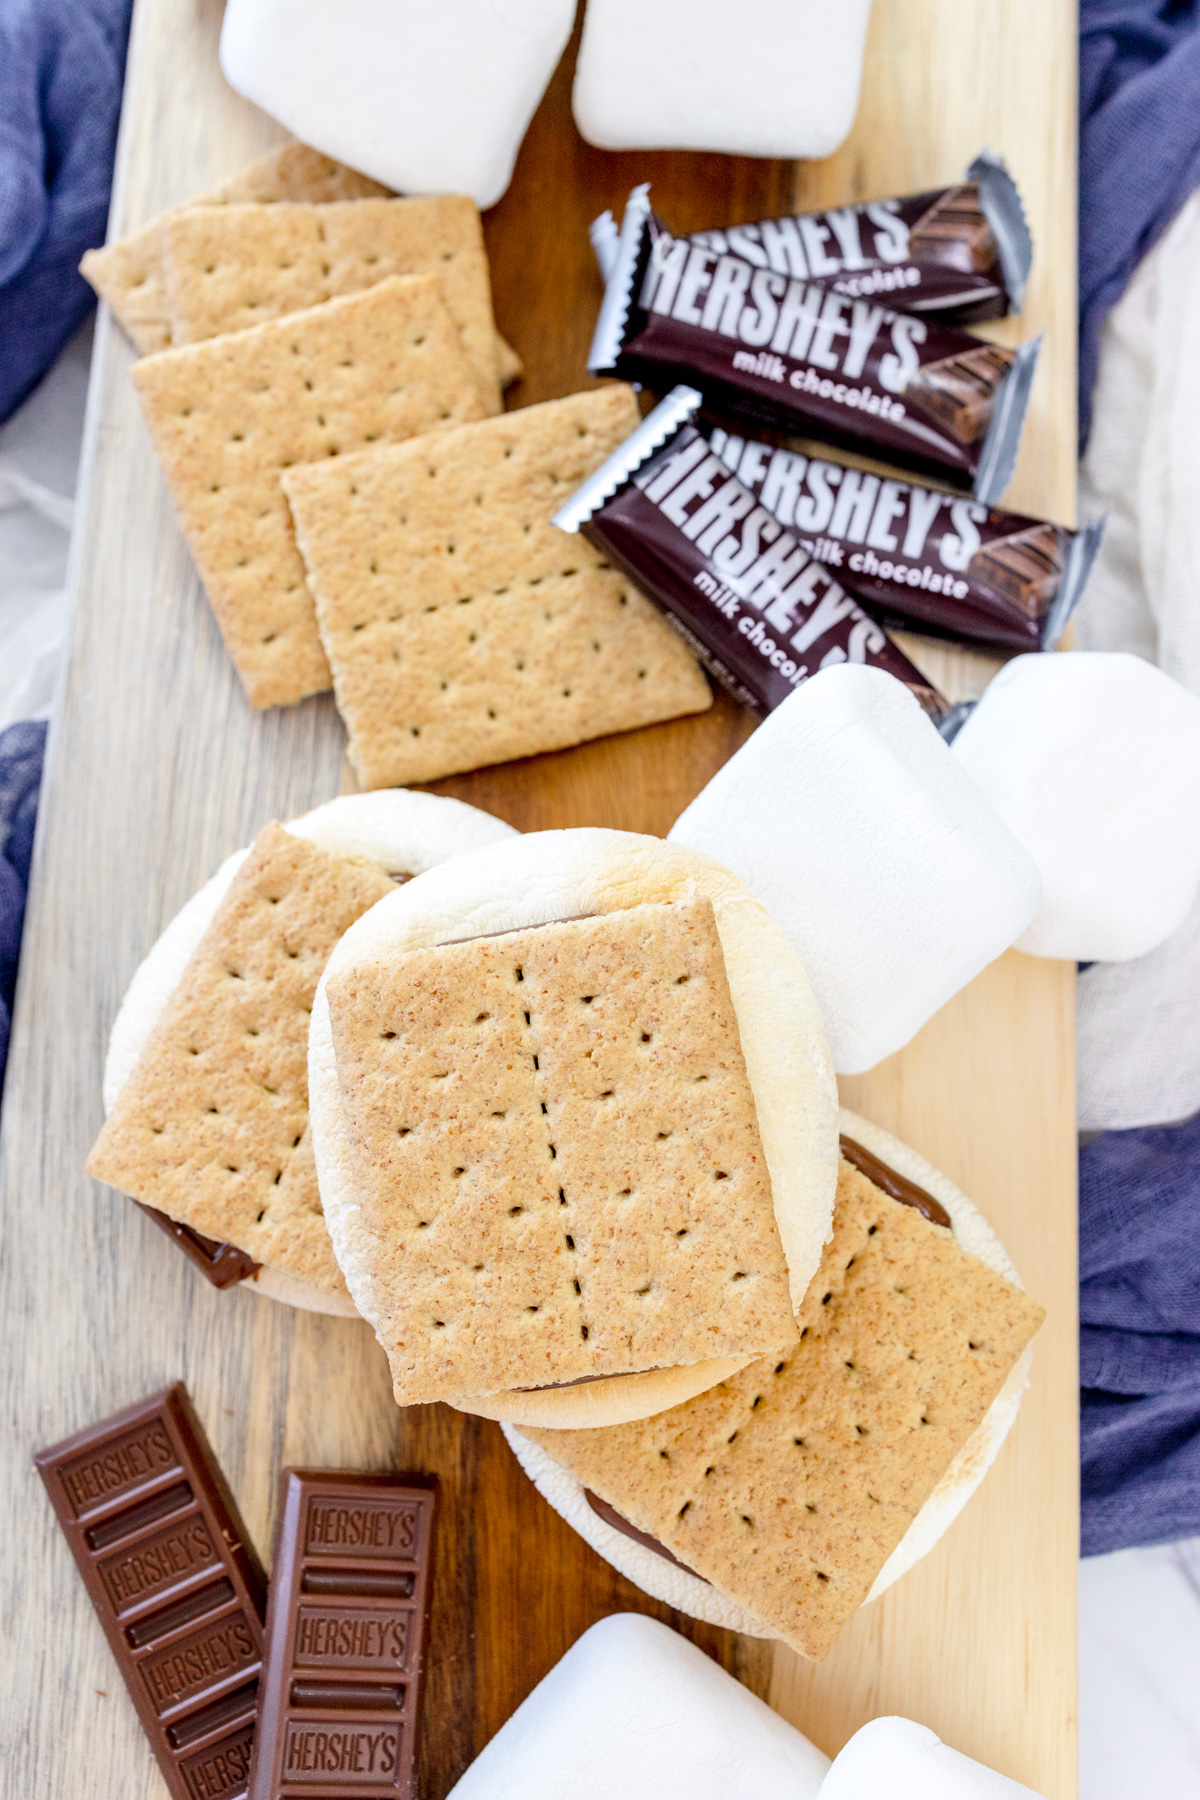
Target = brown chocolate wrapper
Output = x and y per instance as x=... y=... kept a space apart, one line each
x=758 y=610
x=958 y=254
x=918 y=558
x=776 y=347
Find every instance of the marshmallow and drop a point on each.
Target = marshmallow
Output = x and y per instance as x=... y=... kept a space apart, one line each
x=780 y=78
x=906 y=1761
x=895 y=880
x=1093 y=760
x=635 y=1710
x=428 y=99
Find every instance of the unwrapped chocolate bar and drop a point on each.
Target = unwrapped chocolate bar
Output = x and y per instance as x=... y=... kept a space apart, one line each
x=917 y=558
x=351 y=1584
x=786 y=349
x=760 y=611
x=958 y=253
x=174 y=1581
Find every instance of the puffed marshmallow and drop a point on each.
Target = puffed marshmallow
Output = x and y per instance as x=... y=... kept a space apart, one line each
x=780 y=78
x=635 y=1710
x=848 y=817
x=427 y=98
x=904 y=1761
x=1093 y=759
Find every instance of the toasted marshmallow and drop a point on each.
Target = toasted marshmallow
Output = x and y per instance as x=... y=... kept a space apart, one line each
x=427 y=99
x=1093 y=761
x=894 y=878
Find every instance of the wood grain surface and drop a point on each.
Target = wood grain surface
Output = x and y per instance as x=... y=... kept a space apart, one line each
x=158 y=769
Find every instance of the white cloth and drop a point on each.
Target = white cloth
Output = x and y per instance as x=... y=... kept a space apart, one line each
x=1138 y=1035
x=1093 y=761
x=427 y=96
x=895 y=1759
x=780 y=78
x=1142 y=466
x=1139 y=1022
x=39 y=454
x=897 y=882
x=635 y=1712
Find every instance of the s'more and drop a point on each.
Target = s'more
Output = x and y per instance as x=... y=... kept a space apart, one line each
x=780 y=1500
x=206 y=1077
x=576 y=1146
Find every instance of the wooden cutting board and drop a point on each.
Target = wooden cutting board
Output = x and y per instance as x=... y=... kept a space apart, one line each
x=158 y=770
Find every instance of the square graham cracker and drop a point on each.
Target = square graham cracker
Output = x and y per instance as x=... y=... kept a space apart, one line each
x=128 y=274
x=212 y=1126
x=461 y=626
x=555 y=1148
x=229 y=267
x=228 y=416
x=790 y=1485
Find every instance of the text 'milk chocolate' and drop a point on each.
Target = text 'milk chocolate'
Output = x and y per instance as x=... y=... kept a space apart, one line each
x=346 y=1631
x=175 y=1583
x=760 y=611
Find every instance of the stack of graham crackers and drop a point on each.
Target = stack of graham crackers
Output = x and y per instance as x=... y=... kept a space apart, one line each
x=321 y=379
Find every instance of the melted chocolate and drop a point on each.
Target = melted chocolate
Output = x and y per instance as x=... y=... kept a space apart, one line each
x=897 y=1186
x=620 y=1523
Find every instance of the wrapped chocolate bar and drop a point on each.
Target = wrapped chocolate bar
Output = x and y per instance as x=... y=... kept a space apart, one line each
x=958 y=254
x=920 y=559
x=786 y=349
x=760 y=612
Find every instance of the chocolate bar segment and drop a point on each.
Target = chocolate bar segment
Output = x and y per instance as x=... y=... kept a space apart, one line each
x=960 y=390
x=959 y=254
x=351 y=1584
x=174 y=1580
x=916 y=557
x=953 y=233
x=222 y=1264
x=785 y=349
x=761 y=612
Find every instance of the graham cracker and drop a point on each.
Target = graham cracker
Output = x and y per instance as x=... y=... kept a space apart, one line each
x=790 y=1485
x=229 y=415
x=129 y=274
x=212 y=1126
x=229 y=267
x=461 y=626
x=555 y=1150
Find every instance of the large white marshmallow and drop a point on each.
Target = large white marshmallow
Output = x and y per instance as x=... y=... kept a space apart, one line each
x=848 y=817
x=427 y=96
x=1093 y=760
x=904 y=1761
x=779 y=78
x=634 y=1711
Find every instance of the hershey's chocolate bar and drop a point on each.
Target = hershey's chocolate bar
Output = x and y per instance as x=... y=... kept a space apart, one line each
x=351 y=1584
x=175 y=1583
x=959 y=253
x=919 y=558
x=759 y=610
x=909 y=389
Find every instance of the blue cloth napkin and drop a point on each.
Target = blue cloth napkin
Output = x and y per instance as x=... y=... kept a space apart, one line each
x=22 y=748
x=62 y=64
x=1139 y=1270
x=1139 y=149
